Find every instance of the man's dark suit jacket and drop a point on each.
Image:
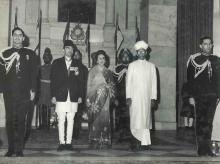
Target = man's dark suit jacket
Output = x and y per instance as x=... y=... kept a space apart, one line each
x=61 y=82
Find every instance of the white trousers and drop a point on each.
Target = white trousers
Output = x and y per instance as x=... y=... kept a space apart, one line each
x=62 y=117
x=142 y=135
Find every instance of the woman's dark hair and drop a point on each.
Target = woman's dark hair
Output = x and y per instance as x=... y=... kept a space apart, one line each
x=101 y=52
x=121 y=53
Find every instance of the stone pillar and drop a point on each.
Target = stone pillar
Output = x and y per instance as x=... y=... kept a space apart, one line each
x=109 y=21
x=133 y=11
x=109 y=12
x=216 y=25
x=109 y=29
x=53 y=10
x=44 y=5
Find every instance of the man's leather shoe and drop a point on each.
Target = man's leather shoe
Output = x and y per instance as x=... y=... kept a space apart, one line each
x=19 y=154
x=9 y=154
x=61 y=147
x=145 y=147
x=69 y=147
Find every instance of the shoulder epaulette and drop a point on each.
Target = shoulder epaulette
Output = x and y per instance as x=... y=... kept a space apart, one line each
x=191 y=57
x=5 y=49
x=28 y=48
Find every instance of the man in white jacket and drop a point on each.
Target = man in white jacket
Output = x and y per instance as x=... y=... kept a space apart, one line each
x=141 y=91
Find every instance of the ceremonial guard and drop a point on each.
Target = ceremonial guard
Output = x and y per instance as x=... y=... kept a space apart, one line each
x=19 y=89
x=82 y=107
x=122 y=110
x=202 y=89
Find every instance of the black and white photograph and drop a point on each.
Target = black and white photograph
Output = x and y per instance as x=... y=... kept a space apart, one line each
x=109 y=81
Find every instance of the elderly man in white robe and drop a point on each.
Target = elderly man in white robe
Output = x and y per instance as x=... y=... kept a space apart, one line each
x=141 y=95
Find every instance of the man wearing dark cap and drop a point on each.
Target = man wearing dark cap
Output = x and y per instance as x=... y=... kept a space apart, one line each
x=66 y=92
x=20 y=70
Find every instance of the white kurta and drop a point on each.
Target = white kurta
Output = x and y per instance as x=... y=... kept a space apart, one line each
x=141 y=87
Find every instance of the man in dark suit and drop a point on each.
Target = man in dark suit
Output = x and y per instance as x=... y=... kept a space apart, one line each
x=19 y=89
x=66 y=91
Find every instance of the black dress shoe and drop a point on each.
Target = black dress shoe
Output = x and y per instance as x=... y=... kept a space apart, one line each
x=145 y=147
x=211 y=154
x=9 y=154
x=19 y=154
x=69 y=147
x=61 y=147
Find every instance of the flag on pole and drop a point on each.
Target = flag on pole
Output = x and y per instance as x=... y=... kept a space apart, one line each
x=38 y=47
x=67 y=29
x=118 y=39
x=87 y=42
x=137 y=31
x=16 y=18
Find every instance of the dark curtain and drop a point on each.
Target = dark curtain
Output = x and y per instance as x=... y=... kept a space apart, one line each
x=194 y=20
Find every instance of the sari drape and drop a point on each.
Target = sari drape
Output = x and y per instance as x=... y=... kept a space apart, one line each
x=100 y=91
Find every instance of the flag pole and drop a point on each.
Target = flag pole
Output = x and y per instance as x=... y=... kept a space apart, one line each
x=40 y=23
x=116 y=49
x=66 y=32
x=9 y=23
x=138 y=37
x=16 y=17
x=87 y=40
x=89 y=43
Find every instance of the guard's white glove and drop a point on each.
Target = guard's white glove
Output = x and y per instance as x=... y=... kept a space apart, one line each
x=53 y=100
x=32 y=95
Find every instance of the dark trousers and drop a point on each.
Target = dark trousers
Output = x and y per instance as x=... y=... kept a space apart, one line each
x=29 y=118
x=15 y=123
x=77 y=122
x=205 y=110
x=44 y=115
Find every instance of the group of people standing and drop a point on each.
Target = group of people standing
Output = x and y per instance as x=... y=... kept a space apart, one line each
x=131 y=89
x=72 y=88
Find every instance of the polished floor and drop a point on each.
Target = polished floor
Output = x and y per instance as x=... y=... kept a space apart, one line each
x=167 y=147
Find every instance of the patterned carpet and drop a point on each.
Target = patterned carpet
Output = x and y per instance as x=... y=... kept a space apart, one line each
x=167 y=147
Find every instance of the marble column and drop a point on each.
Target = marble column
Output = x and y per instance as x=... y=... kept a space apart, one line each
x=133 y=11
x=44 y=5
x=109 y=23
x=109 y=12
x=109 y=29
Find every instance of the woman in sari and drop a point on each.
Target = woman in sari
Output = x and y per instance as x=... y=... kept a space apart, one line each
x=100 y=91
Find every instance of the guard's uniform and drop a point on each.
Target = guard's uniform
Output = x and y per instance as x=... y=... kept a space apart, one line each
x=202 y=86
x=122 y=110
x=19 y=80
